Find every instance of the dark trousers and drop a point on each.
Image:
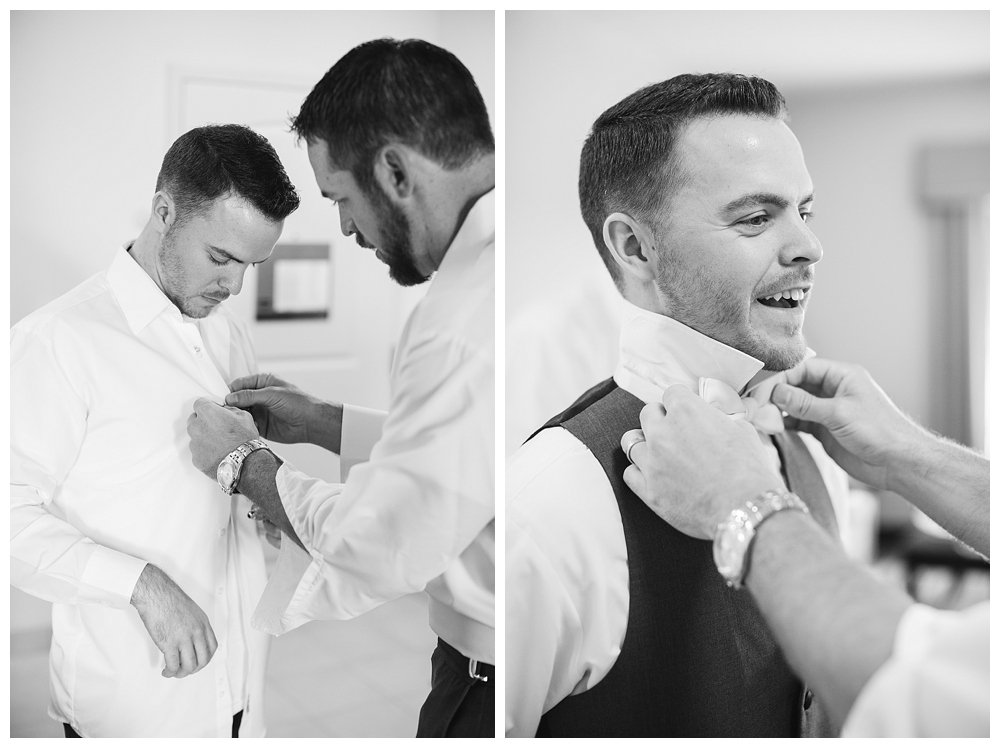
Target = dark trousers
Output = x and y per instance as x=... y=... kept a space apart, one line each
x=237 y=718
x=459 y=705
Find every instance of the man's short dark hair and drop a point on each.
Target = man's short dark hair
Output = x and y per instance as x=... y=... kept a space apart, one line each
x=628 y=163
x=221 y=160
x=386 y=90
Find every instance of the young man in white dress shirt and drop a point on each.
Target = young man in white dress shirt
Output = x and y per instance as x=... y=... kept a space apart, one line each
x=697 y=197
x=399 y=138
x=150 y=575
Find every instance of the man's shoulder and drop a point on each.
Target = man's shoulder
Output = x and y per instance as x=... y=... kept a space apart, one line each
x=552 y=470
x=461 y=304
x=74 y=309
x=560 y=507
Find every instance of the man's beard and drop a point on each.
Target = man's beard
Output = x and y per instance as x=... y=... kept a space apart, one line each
x=175 y=278
x=396 y=249
x=713 y=311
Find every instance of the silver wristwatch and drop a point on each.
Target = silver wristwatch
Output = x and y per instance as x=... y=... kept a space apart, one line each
x=731 y=548
x=228 y=473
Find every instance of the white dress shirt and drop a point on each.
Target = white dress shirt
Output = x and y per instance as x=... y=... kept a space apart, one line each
x=566 y=563
x=935 y=684
x=102 y=381
x=418 y=514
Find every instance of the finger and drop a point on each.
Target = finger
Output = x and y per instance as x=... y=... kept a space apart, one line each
x=200 y=652
x=818 y=375
x=635 y=480
x=253 y=381
x=247 y=398
x=203 y=405
x=189 y=661
x=800 y=404
x=211 y=641
x=630 y=437
x=677 y=393
x=638 y=454
x=171 y=662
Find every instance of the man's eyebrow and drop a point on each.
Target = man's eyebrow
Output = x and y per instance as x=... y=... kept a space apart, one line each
x=225 y=254
x=760 y=198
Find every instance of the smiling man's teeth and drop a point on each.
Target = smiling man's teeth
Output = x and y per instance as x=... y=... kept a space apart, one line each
x=795 y=294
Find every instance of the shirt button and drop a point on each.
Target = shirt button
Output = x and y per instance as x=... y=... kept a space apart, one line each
x=807 y=700
x=222 y=532
x=219 y=591
x=197 y=351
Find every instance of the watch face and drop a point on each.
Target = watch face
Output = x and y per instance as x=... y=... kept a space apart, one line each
x=730 y=546
x=226 y=473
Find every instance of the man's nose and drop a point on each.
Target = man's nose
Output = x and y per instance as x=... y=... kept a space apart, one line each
x=233 y=281
x=347 y=226
x=801 y=246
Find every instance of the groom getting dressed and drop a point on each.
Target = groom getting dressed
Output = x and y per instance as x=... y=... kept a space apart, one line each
x=697 y=196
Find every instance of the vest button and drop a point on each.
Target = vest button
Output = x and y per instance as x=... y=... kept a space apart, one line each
x=807 y=700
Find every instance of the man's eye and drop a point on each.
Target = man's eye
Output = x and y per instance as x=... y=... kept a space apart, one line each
x=756 y=221
x=218 y=262
x=806 y=215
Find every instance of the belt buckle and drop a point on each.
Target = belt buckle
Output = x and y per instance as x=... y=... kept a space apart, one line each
x=473 y=671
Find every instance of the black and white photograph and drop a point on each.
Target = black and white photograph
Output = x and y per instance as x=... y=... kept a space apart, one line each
x=252 y=410
x=695 y=443
x=762 y=213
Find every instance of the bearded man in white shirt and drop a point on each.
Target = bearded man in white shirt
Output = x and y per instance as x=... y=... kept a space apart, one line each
x=399 y=138
x=150 y=575
x=697 y=197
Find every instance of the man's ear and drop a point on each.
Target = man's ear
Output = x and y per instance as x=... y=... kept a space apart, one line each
x=394 y=170
x=631 y=244
x=164 y=212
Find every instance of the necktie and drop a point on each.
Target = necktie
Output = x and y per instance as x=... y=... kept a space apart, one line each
x=755 y=407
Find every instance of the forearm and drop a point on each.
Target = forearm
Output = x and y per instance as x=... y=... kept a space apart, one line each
x=258 y=482
x=950 y=484
x=835 y=623
x=326 y=425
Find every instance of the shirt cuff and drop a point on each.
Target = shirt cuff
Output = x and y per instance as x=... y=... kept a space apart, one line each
x=360 y=430
x=114 y=573
x=293 y=568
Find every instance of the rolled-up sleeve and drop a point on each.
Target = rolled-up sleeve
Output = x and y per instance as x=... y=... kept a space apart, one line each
x=49 y=557
x=360 y=431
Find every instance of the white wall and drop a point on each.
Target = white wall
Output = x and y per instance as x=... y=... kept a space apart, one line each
x=881 y=287
x=865 y=90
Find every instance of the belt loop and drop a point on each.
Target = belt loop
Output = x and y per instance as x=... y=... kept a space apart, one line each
x=474 y=671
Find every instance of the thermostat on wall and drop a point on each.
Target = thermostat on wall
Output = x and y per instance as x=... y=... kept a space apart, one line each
x=294 y=283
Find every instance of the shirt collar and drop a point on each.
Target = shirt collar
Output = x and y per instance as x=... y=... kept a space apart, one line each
x=140 y=299
x=478 y=230
x=657 y=352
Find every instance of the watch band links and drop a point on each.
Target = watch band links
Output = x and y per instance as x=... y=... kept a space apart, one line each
x=743 y=523
x=237 y=456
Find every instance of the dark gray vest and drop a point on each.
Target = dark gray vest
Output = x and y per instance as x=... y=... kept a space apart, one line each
x=697 y=659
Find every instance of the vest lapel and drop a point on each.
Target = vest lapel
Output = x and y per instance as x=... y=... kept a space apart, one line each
x=805 y=480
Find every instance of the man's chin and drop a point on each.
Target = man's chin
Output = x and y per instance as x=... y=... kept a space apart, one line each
x=197 y=310
x=782 y=357
x=406 y=274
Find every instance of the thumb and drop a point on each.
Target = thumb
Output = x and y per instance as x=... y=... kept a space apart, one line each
x=246 y=398
x=800 y=404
